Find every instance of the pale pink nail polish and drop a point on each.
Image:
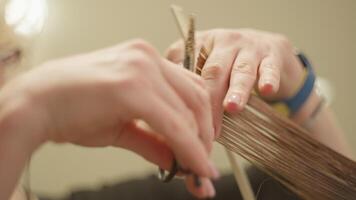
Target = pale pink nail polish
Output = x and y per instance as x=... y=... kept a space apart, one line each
x=267 y=87
x=211 y=191
x=233 y=103
x=213 y=170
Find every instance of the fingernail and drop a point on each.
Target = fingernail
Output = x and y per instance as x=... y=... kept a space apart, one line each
x=267 y=87
x=213 y=170
x=211 y=191
x=233 y=103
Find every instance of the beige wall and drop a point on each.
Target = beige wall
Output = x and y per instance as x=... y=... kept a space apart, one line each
x=324 y=29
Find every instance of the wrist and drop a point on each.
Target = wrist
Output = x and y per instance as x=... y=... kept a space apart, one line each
x=306 y=110
x=18 y=140
x=20 y=120
x=293 y=104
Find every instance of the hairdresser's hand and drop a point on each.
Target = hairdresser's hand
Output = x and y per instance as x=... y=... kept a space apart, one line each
x=242 y=60
x=95 y=100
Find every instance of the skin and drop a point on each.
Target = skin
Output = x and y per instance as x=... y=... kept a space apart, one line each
x=95 y=100
x=240 y=61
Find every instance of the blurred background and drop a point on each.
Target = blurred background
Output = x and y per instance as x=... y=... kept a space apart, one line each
x=324 y=29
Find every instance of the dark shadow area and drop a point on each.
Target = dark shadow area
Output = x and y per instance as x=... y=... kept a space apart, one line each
x=151 y=188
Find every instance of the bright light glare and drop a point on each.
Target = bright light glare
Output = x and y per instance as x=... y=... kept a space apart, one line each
x=27 y=17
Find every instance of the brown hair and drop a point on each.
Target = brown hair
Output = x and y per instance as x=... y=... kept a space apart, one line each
x=284 y=150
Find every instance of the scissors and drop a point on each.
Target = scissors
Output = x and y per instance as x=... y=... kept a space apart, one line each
x=189 y=64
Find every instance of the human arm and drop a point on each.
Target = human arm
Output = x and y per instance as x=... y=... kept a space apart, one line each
x=96 y=99
x=242 y=60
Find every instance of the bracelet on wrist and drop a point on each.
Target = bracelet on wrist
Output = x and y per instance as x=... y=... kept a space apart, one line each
x=292 y=105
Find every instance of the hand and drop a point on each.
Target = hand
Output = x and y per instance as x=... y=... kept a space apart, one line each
x=241 y=60
x=96 y=99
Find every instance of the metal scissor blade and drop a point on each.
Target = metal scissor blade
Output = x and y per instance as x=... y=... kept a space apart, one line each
x=187 y=28
x=189 y=57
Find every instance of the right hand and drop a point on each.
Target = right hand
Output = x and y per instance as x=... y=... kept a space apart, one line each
x=240 y=61
x=95 y=100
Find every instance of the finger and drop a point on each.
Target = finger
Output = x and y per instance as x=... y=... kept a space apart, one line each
x=175 y=52
x=145 y=143
x=242 y=79
x=269 y=76
x=216 y=74
x=195 y=77
x=196 y=98
x=205 y=190
x=177 y=131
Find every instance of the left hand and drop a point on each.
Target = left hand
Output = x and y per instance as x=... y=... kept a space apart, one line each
x=241 y=59
x=95 y=100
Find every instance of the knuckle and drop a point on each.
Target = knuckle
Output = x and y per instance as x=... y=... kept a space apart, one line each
x=141 y=45
x=212 y=72
x=243 y=68
x=138 y=42
x=175 y=125
x=138 y=60
x=135 y=81
x=173 y=52
x=283 y=40
x=234 y=36
x=188 y=119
